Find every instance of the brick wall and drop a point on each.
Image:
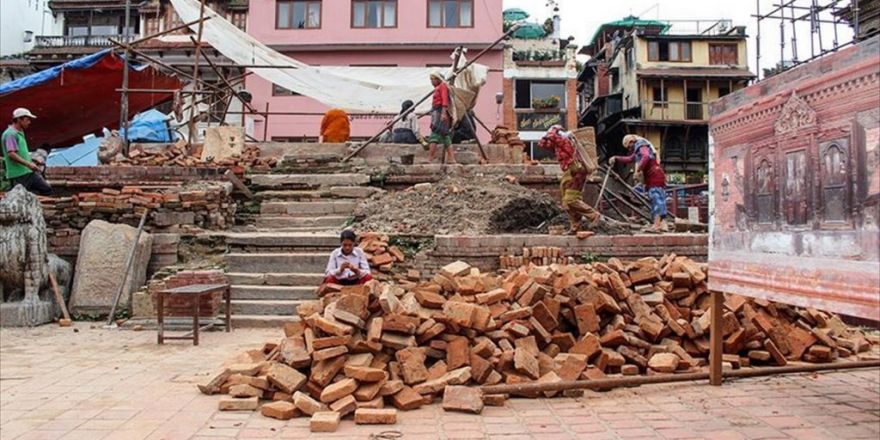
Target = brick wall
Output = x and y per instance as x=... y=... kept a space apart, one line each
x=509 y=117
x=571 y=116
x=78 y=178
x=483 y=251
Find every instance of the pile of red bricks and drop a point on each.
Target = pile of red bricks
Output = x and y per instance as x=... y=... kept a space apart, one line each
x=358 y=349
x=177 y=156
x=540 y=256
x=380 y=254
x=206 y=206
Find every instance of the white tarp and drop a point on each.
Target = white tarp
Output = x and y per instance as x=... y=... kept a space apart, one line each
x=356 y=89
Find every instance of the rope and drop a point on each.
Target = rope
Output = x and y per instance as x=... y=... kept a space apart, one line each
x=387 y=435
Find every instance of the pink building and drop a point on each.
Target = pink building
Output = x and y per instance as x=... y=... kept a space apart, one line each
x=401 y=33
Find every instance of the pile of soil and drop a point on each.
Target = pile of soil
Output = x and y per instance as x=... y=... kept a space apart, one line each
x=461 y=206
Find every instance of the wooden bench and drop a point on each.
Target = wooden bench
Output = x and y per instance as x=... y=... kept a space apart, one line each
x=195 y=292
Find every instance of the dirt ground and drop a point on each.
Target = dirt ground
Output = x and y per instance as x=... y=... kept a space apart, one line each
x=90 y=384
x=468 y=207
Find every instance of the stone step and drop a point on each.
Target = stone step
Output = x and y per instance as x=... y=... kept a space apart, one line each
x=262 y=321
x=335 y=192
x=265 y=307
x=309 y=208
x=275 y=279
x=297 y=262
x=284 y=221
x=293 y=293
x=309 y=180
x=283 y=239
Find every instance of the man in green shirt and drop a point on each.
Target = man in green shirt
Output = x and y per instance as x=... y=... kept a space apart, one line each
x=20 y=169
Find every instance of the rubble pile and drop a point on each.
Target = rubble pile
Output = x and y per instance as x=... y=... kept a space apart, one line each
x=202 y=205
x=360 y=349
x=177 y=156
x=454 y=205
x=380 y=254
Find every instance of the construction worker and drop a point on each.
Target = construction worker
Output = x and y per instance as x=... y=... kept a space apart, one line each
x=441 y=121
x=575 y=174
x=20 y=168
x=648 y=169
x=335 y=127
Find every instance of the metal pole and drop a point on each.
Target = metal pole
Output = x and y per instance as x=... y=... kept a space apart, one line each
x=758 y=42
x=128 y=263
x=123 y=108
x=605 y=384
x=192 y=110
x=855 y=12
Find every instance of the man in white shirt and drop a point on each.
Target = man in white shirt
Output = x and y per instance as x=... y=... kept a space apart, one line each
x=348 y=265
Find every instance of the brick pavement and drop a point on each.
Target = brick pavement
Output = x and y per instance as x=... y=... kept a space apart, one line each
x=99 y=384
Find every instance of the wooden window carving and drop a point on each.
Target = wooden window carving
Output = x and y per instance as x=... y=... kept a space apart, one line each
x=795 y=191
x=764 y=191
x=835 y=172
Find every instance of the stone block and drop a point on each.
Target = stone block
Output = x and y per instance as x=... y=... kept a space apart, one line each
x=463 y=398
x=279 y=410
x=324 y=421
x=370 y=416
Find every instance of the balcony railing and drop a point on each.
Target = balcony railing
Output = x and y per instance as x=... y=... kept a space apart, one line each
x=46 y=41
x=675 y=111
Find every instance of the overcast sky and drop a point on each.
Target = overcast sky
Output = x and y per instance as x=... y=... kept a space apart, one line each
x=581 y=18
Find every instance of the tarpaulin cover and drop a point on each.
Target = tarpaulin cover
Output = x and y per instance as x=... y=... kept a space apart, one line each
x=84 y=154
x=79 y=97
x=149 y=126
x=356 y=89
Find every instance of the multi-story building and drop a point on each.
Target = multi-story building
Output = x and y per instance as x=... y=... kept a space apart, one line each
x=656 y=79
x=88 y=26
x=20 y=22
x=540 y=87
x=381 y=33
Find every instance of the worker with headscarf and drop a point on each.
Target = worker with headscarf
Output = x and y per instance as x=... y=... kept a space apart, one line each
x=335 y=127
x=441 y=121
x=574 y=176
x=406 y=130
x=648 y=169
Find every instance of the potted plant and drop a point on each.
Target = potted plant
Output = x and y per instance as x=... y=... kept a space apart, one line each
x=549 y=103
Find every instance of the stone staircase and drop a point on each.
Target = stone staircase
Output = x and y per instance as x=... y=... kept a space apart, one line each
x=282 y=264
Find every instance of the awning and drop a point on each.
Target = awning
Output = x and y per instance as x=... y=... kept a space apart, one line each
x=684 y=73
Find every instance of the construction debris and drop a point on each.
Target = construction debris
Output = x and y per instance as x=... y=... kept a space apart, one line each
x=179 y=155
x=204 y=205
x=462 y=206
x=383 y=344
x=539 y=256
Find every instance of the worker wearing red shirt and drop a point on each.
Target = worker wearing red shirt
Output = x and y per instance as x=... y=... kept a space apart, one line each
x=441 y=122
x=647 y=166
x=573 y=178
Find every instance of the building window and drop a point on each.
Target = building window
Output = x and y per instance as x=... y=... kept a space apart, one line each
x=835 y=195
x=281 y=91
x=151 y=25
x=374 y=13
x=723 y=91
x=723 y=54
x=239 y=19
x=764 y=189
x=660 y=96
x=298 y=14
x=529 y=93
x=450 y=13
x=677 y=51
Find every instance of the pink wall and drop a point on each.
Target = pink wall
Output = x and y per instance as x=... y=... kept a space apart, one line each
x=301 y=126
x=369 y=47
x=412 y=25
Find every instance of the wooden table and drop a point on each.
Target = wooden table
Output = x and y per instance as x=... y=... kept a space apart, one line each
x=195 y=292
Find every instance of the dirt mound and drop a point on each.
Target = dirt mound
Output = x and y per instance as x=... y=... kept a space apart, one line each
x=460 y=206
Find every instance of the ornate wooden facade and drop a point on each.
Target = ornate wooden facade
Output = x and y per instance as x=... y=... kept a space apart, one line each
x=797 y=186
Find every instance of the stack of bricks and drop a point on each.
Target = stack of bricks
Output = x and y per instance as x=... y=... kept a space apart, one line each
x=177 y=156
x=358 y=349
x=176 y=305
x=541 y=256
x=208 y=206
x=379 y=253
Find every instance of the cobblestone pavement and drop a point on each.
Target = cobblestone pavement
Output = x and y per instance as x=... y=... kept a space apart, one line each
x=91 y=384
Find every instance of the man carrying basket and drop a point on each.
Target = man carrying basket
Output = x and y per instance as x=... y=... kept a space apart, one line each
x=575 y=172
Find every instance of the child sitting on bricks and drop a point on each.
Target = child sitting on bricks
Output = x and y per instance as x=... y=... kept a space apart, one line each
x=348 y=265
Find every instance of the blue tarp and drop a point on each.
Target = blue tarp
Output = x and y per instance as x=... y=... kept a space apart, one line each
x=79 y=155
x=49 y=74
x=148 y=126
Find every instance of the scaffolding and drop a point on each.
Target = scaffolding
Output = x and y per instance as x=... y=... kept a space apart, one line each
x=797 y=17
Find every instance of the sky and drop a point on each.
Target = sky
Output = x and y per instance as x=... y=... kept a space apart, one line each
x=581 y=18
